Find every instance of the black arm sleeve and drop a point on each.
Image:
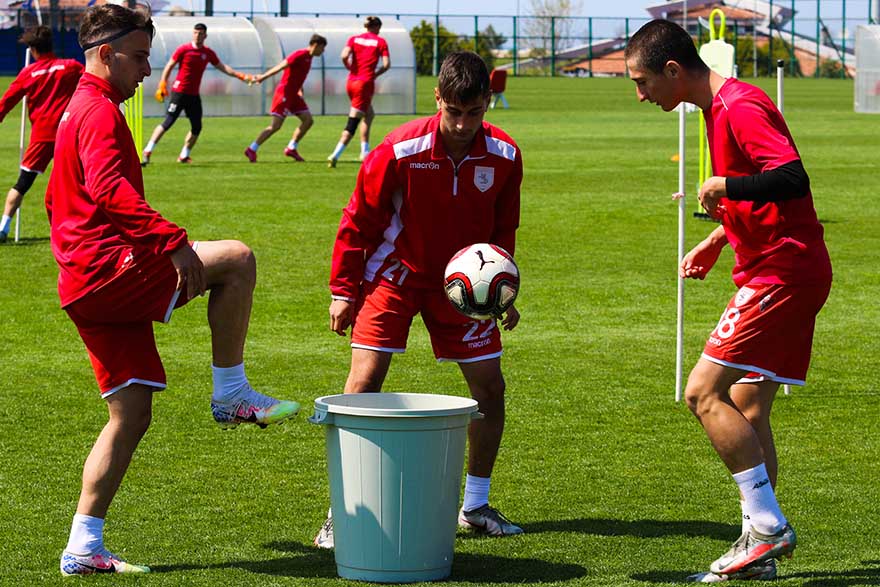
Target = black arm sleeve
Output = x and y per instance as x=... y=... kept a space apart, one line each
x=786 y=182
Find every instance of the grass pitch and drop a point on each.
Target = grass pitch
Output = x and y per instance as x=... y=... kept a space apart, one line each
x=614 y=483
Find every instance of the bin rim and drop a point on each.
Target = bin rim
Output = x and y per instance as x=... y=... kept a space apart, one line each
x=463 y=406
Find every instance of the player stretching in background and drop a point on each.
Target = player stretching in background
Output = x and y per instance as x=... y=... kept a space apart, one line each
x=123 y=266
x=761 y=194
x=432 y=187
x=288 y=98
x=360 y=56
x=193 y=59
x=47 y=83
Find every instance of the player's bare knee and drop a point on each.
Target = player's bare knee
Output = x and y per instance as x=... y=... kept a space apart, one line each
x=244 y=261
x=698 y=399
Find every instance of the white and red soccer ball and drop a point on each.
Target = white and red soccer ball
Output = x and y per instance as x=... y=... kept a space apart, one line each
x=481 y=281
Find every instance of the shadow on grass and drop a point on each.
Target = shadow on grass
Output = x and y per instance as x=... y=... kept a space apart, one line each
x=310 y=562
x=26 y=241
x=848 y=578
x=638 y=528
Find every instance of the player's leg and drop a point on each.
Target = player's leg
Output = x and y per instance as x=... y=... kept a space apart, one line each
x=13 y=200
x=130 y=410
x=194 y=113
x=305 y=123
x=755 y=401
x=354 y=118
x=486 y=384
x=738 y=445
x=368 y=371
x=231 y=271
x=275 y=122
x=365 y=126
x=172 y=113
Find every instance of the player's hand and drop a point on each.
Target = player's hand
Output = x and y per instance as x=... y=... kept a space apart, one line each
x=341 y=312
x=162 y=91
x=190 y=272
x=711 y=192
x=511 y=319
x=699 y=261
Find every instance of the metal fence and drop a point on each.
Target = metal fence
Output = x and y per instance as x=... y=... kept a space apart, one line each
x=815 y=37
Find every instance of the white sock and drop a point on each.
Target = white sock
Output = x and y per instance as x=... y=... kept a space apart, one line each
x=184 y=152
x=365 y=147
x=340 y=147
x=227 y=381
x=150 y=146
x=746 y=519
x=292 y=144
x=255 y=146
x=760 y=500
x=5 y=224
x=476 y=492
x=86 y=535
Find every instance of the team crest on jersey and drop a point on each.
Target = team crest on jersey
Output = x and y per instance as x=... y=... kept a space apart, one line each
x=484 y=177
x=743 y=295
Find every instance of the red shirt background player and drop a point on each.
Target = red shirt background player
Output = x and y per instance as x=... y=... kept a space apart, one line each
x=433 y=186
x=193 y=58
x=761 y=194
x=360 y=56
x=47 y=83
x=122 y=266
x=288 y=98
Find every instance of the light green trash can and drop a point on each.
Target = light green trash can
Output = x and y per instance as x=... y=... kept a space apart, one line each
x=394 y=462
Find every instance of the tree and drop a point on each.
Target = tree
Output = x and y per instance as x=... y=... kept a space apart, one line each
x=423 y=42
x=542 y=27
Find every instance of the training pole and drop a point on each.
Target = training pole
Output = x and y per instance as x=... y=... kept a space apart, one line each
x=679 y=333
x=27 y=61
x=780 y=103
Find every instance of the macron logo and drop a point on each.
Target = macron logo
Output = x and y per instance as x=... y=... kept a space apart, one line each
x=431 y=165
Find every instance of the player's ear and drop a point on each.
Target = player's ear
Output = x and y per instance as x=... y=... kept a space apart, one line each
x=437 y=97
x=105 y=54
x=672 y=69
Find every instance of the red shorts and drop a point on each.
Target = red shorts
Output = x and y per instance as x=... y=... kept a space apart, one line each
x=361 y=94
x=37 y=156
x=115 y=322
x=767 y=330
x=385 y=312
x=285 y=106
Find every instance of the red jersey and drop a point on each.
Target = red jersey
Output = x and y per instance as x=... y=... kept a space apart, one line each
x=413 y=207
x=193 y=62
x=48 y=84
x=99 y=218
x=773 y=242
x=298 y=65
x=366 y=49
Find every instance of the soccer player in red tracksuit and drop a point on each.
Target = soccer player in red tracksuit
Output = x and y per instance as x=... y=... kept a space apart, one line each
x=123 y=266
x=193 y=59
x=47 y=83
x=761 y=194
x=288 y=100
x=360 y=56
x=432 y=187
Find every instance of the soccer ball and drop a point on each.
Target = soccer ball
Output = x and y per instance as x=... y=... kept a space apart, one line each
x=481 y=281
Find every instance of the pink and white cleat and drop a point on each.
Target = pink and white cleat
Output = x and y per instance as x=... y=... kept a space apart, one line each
x=102 y=561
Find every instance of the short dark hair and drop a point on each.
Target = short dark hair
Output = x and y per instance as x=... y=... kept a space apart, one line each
x=317 y=40
x=463 y=78
x=372 y=21
x=660 y=41
x=38 y=37
x=200 y=26
x=107 y=21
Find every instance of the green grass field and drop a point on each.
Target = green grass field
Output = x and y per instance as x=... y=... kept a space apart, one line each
x=614 y=483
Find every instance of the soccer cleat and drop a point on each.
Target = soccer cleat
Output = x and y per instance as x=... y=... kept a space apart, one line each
x=754 y=547
x=293 y=153
x=146 y=158
x=3 y=237
x=324 y=539
x=251 y=155
x=489 y=521
x=331 y=162
x=252 y=407
x=102 y=561
x=762 y=571
x=363 y=156
x=184 y=160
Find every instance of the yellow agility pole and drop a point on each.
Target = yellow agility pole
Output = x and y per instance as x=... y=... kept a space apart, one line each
x=134 y=116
